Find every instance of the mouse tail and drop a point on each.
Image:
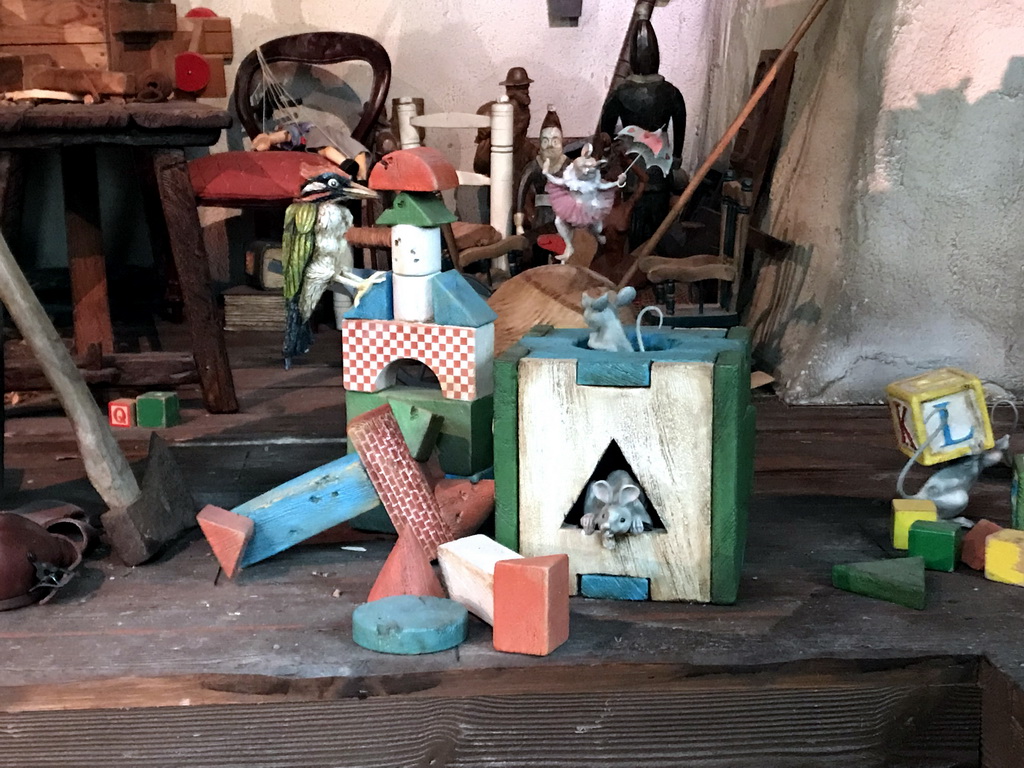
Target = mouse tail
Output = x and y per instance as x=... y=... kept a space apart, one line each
x=902 y=479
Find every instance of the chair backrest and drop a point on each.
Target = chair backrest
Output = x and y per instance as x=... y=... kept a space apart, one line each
x=314 y=48
x=499 y=121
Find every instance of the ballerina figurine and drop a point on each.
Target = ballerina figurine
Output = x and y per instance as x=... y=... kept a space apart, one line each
x=580 y=198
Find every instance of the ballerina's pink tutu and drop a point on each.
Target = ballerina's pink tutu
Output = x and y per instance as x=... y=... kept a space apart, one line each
x=580 y=210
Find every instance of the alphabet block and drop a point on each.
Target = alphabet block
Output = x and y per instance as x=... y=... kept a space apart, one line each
x=1004 y=557
x=531 y=604
x=899 y=580
x=944 y=409
x=158 y=409
x=121 y=412
x=906 y=512
x=467 y=568
x=972 y=549
x=937 y=542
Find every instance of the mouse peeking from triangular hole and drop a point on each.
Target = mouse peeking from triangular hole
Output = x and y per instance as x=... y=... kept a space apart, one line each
x=613 y=503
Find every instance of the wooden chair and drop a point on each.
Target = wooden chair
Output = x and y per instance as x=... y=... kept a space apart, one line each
x=242 y=179
x=468 y=242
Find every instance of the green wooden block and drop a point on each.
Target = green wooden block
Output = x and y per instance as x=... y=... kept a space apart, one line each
x=418 y=209
x=1016 y=497
x=899 y=580
x=614 y=370
x=465 y=444
x=506 y=446
x=937 y=542
x=420 y=428
x=157 y=409
x=409 y=624
x=732 y=470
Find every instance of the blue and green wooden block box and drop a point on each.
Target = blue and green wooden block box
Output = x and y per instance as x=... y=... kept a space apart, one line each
x=678 y=418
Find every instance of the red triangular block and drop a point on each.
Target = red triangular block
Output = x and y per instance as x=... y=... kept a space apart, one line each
x=228 y=534
x=407 y=571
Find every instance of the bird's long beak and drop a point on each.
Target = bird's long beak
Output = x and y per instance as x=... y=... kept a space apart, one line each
x=361 y=192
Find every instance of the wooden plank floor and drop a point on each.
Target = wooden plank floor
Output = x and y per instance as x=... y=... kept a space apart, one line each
x=160 y=636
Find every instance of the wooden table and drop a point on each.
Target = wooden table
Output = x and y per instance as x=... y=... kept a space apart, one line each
x=159 y=132
x=161 y=666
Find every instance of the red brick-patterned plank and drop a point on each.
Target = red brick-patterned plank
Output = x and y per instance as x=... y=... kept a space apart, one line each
x=400 y=481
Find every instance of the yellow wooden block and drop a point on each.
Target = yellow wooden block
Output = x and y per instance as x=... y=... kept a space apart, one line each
x=906 y=512
x=947 y=405
x=1004 y=556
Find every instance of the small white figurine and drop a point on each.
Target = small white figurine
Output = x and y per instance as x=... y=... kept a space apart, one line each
x=615 y=507
x=602 y=317
x=580 y=199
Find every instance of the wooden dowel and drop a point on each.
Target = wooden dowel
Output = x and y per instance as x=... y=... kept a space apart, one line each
x=730 y=133
x=105 y=463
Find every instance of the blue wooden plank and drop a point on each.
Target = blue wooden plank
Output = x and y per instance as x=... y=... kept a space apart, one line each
x=408 y=624
x=617 y=369
x=456 y=303
x=306 y=506
x=606 y=587
x=673 y=345
x=377 y=303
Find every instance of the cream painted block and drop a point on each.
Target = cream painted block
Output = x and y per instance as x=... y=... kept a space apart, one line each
x=467 y=569
x=413 y=300
x=415 y=250
x=664 y=432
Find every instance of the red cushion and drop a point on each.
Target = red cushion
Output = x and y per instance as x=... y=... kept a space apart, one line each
x=243 y=177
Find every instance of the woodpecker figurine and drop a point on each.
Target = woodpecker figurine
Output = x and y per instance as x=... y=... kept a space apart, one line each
x=314 y=251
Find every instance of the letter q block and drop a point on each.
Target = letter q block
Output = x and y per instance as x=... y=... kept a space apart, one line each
x=944 y=408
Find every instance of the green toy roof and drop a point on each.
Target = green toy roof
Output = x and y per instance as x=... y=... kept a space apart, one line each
x=420 y=209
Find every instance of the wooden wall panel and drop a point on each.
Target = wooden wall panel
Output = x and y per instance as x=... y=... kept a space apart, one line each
x=51 y=22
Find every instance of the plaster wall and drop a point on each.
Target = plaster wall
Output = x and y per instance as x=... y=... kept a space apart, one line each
x=453 y=53
x=901 y=182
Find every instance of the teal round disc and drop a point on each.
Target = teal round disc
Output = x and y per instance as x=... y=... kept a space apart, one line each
x=409 y=624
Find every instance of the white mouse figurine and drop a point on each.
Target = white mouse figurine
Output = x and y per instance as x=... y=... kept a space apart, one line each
x=615 y=507
x=602 y=317
x=950 y=486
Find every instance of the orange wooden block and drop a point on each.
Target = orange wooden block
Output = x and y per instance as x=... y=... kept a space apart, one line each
x=531 y=604
x=464 y=504
x=972 y=548
x=227 y=534
x=407 y=571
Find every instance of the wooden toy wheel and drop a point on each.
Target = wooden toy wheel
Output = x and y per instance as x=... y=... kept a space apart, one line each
x=154 y=86
x=191 y=72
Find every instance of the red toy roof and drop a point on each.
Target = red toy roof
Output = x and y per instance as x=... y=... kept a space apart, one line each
x=421 y=169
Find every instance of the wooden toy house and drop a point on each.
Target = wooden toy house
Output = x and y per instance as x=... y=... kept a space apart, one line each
x=677 y=417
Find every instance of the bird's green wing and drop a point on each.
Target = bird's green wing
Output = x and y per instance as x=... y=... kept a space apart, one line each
x=297 y=245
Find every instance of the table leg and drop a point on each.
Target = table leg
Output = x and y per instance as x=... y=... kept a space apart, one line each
x=86 y=262
x=208 y=345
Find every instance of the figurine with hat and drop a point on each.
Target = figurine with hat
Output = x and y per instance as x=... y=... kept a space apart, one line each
x=517 y=88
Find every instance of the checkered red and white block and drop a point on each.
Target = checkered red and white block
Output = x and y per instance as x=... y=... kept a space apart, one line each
x=400 y=481
x=460 y=357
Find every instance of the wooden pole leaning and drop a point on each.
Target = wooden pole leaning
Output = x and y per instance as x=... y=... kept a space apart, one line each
x=105 y=463
x=730 y=133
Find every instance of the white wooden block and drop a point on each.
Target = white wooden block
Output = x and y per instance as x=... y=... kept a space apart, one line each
x=415 y=250
x=467 y=569
x=413 y=299
x=452 y=120
x=405 y=111
x=664 y=432
x=501 y=165
x=484 y=354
